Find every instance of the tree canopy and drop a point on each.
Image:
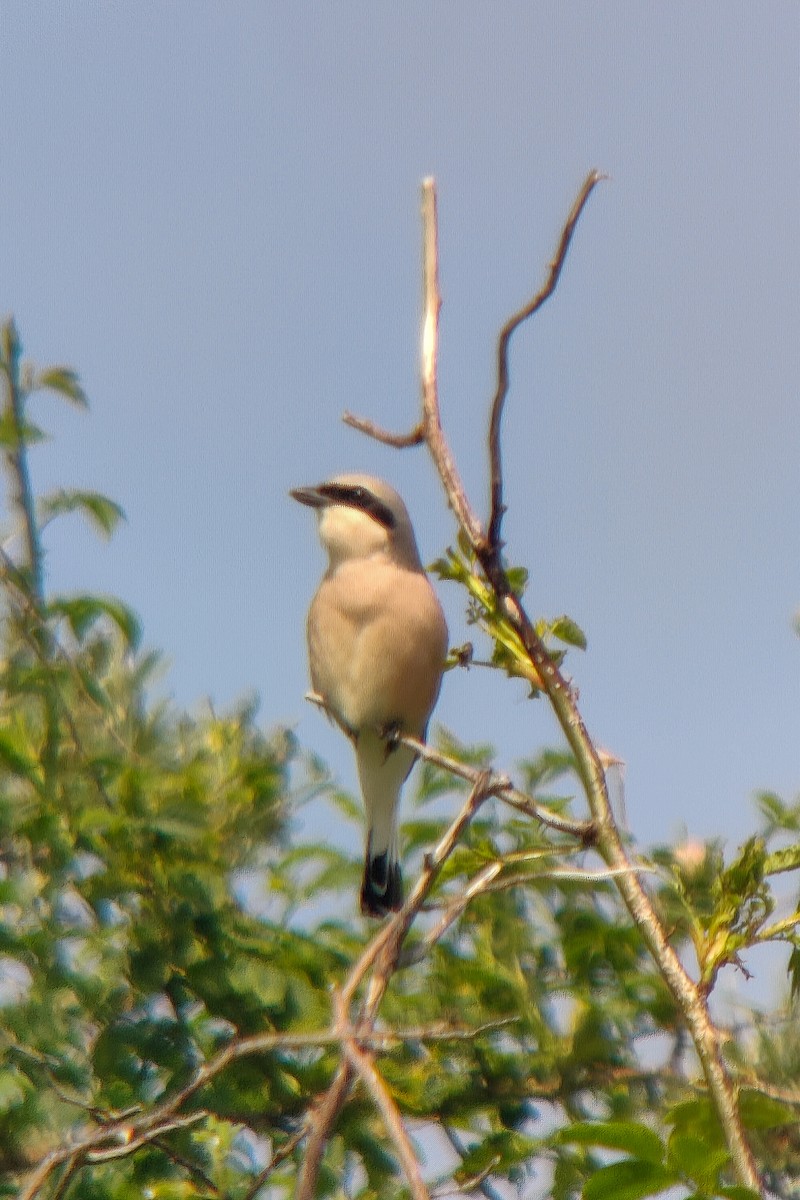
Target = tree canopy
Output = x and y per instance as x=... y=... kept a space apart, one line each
x=181 y=1016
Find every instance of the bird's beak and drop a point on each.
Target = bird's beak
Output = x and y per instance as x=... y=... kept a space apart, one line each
x=310 y=496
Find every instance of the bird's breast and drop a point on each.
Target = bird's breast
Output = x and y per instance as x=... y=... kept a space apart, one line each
x=377 y=642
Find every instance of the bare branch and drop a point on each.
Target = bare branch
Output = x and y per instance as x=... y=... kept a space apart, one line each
x=191 y=1168
x=131 y=1143
x=385 y=949
x=38 y=1177
x=320 y=1122
x=381 y=956
x=480 y=884
x=275 y=1161
x=481 y=1185
x=431 y=417
x=400 y=441
x=496 y=785
x=66 y=1176
x=544 y=293
x=363 y=1065
x=125 y=1133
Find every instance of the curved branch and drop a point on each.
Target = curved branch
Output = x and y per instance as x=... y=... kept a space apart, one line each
x=513 y=323
x=400 y=441
x=495 y=785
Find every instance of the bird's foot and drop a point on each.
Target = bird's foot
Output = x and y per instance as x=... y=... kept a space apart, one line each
x=390 y=734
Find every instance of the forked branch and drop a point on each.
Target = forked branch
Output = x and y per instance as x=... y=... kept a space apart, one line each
x=487 y=549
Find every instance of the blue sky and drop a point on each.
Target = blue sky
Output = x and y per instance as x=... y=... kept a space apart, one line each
x=211 y=211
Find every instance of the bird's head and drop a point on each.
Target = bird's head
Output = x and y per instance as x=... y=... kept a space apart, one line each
x=361 y=516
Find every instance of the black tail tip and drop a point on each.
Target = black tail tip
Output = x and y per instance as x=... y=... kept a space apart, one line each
x=382 y=889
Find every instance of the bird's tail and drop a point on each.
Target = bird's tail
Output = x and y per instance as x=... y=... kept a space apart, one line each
x=382 y=769
x=382 y=886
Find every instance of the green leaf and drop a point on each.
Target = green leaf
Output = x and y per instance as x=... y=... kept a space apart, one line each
x=699 y=1118
x=464 y=544
x=101 y=512
x=693 y=1157
x=787 y=859
x=776 y=812
x=629 y=1136
x=9 y=341
x=568 y=631
x=762 y=1112
x=629 y=1180
x=497 y=1152
x=13 y=435
x=15 y=757
x=518 y=580
x=13 y=1089
x=81 y=613
x=64 y=381
x=794 y=973
x=746 y=870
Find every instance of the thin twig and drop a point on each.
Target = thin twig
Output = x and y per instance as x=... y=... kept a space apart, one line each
x=275 y=1161
x=513 y=323
x=389 y=950
x=191 y=1168
x=431 y=418
x=66 y=1175
x=496 y=785
x=400 y=441
x=147 y=1137
x=480 y=1185
x=363 y=1065
x=381 y=956
x=321 y=1119
x=128 y=1132
x=477 y=886
x=43 y=1170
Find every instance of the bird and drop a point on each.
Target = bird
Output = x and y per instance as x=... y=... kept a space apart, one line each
x=377 y=644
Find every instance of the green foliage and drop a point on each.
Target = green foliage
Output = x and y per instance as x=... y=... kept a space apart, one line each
x=101 y=512
x=460 y=565
x=64 y=381
x=169 y=945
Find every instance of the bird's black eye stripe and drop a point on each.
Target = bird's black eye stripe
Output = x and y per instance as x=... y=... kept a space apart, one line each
x=359 y=497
